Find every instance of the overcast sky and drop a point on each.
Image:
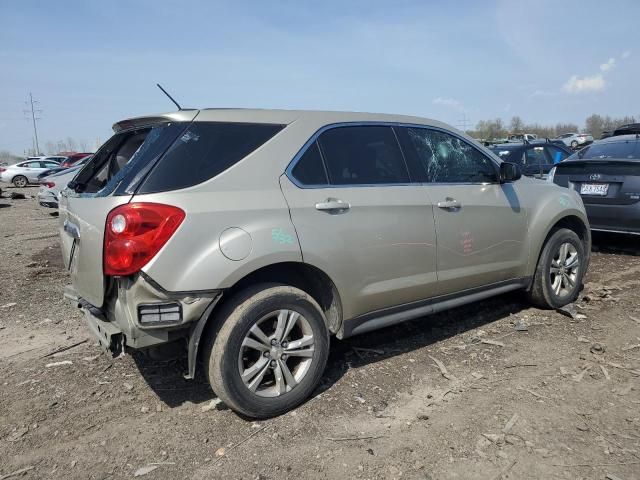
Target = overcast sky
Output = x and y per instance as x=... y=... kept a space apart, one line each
x=92 y=63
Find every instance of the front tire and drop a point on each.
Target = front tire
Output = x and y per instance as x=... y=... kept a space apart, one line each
x=20 y=181
x=561 y=267
x=270 y=351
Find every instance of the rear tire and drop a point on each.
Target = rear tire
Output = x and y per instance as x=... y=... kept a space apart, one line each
x=560 y=270
x=20 y=181
x=269 y=352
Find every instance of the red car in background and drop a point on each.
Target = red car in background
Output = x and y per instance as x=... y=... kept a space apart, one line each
x=74 y=158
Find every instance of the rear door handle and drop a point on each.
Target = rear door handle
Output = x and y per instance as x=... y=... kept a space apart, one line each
x=333 y=205
x=449 y=204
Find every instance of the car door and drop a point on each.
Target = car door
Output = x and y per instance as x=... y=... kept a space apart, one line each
x=32 y=170
x=555 y=154
x=359 y=218
x=481 y=225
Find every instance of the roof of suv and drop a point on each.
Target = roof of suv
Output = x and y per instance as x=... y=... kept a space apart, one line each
x=620 y=138
x=282 y=117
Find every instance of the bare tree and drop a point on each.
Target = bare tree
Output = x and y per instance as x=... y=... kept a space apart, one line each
x=516 y=125
x=71 y=144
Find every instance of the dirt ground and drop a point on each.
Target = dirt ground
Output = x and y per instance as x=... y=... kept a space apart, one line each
x=523 y=393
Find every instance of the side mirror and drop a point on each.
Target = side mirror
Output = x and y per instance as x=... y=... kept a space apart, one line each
x=509 y=172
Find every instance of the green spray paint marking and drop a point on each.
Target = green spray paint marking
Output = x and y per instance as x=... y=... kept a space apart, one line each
x=278 y=235
x=564 y=201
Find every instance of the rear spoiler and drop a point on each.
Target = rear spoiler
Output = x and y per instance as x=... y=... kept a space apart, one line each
x=138 y=122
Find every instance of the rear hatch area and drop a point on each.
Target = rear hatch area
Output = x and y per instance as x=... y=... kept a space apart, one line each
x=104 y=183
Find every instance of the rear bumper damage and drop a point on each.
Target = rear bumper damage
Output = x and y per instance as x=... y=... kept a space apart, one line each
x=138 y=314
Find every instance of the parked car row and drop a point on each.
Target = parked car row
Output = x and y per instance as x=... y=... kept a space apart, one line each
x=54 y=181
x=35 y=168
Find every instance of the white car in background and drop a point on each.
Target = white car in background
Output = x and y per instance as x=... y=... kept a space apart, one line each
x=575 y=140
x=51 y=186
x=23 y=173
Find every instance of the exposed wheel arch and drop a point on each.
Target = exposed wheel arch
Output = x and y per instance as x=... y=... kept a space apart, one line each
x=574 y=223
x=304 y=276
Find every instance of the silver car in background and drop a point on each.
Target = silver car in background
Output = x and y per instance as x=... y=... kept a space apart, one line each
x=575 y=140
x=52 y=185
x=249 y=237
x=23 y=173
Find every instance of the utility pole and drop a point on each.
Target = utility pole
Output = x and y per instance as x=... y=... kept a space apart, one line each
x=33 y=112
x=464 y=123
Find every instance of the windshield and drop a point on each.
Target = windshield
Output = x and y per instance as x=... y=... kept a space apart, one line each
x=627 y=149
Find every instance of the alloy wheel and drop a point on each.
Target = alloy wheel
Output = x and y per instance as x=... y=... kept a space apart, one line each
x=20 y=182
x=276 y=353
x=564 y=270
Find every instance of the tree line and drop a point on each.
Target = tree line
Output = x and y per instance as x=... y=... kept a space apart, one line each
x=594 y=124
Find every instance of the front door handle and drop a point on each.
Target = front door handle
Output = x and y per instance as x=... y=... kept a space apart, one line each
x=333 y=205
x=449 y=204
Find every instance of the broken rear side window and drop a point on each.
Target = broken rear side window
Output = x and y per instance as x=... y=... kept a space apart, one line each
x=205 y=150
x=123 y=158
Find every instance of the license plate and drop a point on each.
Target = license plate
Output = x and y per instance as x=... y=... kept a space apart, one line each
x=594 y=189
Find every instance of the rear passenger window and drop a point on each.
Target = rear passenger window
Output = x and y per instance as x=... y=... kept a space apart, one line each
x=536 y=156
x=309 y=170
x=205 y=150
x=446 y=158
x=363 y=155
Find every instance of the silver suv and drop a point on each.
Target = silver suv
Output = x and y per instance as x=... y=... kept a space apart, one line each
x=252 y=236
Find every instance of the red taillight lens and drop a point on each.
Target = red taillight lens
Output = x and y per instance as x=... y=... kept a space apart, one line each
x=2 y=169
x=48 y=184
x=135 y=232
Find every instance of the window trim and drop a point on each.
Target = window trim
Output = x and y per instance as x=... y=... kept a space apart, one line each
x=296 y=158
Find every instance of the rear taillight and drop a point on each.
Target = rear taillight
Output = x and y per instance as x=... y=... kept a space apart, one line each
x=48 y=184
x=2 y=169
x=135 y=232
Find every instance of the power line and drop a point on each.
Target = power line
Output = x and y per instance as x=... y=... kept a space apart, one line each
x=464 y=123
x=32 y=110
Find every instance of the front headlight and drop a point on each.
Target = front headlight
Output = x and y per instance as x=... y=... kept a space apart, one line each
x=551 y=174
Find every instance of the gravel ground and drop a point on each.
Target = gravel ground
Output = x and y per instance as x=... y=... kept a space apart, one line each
x=521 y=393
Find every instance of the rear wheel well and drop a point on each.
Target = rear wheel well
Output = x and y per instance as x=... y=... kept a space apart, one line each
x=307 y=278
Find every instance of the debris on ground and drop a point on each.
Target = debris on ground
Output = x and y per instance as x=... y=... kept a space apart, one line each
x=443 y=370
x=598 y=348
x=509 y=425
x=8 y=305
x=568 y=311
x=520 y=325
x=17 y=196
x=59 y=364
x=492 y=342
x=632 y=347
x=17 y=473
x=18 y=434
x=145 y=470
x=580 y=376
x=215 y=404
